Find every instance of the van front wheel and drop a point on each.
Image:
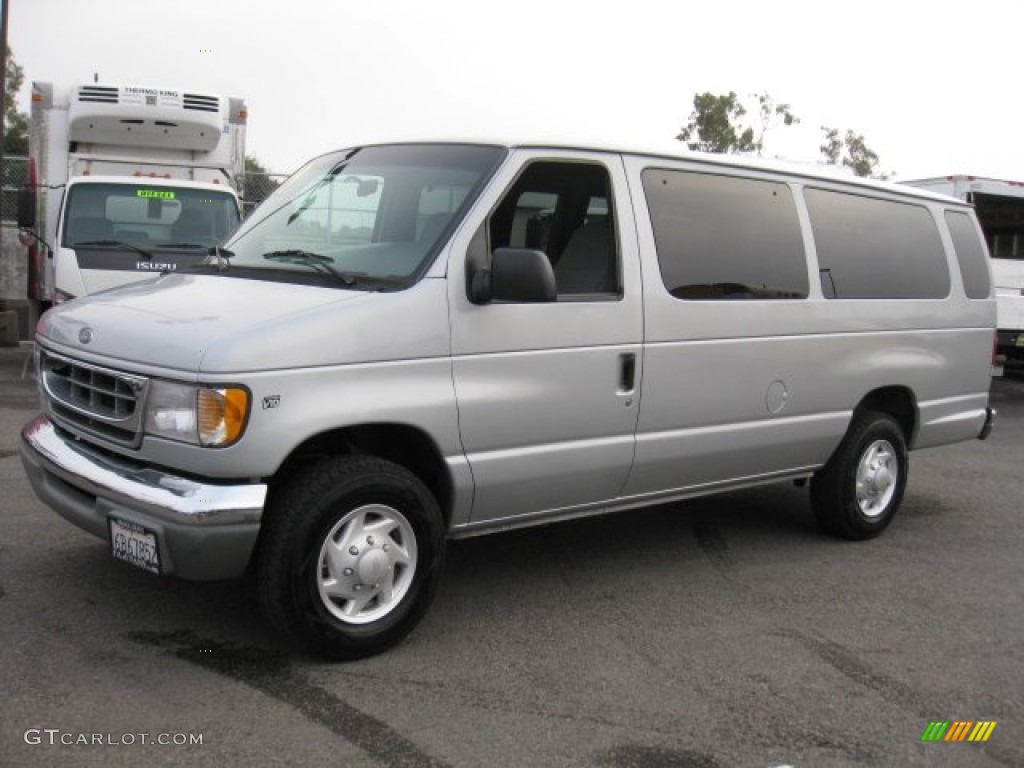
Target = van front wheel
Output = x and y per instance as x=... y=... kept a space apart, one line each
x=856 y=494
x=350 y=556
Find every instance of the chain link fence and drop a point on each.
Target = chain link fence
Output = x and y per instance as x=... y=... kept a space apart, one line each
x=14 y=174
x=254 y=188
x=15 y=321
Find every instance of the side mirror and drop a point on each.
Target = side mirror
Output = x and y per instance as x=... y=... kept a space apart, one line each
x=516 y=274
x=26 y=207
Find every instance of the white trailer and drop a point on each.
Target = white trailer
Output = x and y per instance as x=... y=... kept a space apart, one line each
x=125 y=181
x=1000 y=209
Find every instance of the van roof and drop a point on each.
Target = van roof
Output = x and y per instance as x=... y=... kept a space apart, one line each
x=674 y=150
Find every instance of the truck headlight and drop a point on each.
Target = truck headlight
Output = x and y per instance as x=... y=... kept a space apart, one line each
x=210 y=416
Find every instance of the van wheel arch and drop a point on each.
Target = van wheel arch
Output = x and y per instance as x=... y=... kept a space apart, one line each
x=896 y=401
x=407 y=446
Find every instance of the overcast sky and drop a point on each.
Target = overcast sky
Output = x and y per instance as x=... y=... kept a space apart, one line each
x=933 y=86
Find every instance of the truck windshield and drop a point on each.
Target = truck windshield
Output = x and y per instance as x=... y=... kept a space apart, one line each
x=375 y=215
x=147 y=216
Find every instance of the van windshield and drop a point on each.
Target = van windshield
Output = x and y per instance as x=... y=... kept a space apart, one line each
x=374 y=216
x=147 y=216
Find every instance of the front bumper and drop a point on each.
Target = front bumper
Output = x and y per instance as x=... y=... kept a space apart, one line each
x=204 y=530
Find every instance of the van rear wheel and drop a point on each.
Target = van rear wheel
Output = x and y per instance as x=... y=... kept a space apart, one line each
x=351 y=552
x=856 y=494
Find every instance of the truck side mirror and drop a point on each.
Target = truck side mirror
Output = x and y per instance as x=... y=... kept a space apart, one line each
x=516 y=274
x=26 y=207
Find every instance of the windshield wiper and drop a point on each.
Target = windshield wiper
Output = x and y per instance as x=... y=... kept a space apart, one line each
x=315 y=261
x=113 y=244
x=311 y=195
x=182 y=245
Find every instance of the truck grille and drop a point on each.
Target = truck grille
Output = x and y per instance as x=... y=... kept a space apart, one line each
x=92 y=400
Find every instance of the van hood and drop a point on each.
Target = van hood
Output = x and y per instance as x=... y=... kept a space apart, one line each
x=194 y=323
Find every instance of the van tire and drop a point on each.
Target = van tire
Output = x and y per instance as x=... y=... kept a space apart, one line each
x=856 y=494
x=351 y=552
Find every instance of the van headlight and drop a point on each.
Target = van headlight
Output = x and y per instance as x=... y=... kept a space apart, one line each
x=209 y=416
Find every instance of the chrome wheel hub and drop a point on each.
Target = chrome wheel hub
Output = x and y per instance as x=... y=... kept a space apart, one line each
x=877 y=476
x=366 y=564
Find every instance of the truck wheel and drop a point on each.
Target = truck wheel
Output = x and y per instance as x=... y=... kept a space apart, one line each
x=856 y=494
x=350 y=555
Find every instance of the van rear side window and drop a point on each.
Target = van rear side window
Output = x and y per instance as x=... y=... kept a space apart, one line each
x=876 y=249
x=970 y=254
x=727 y=238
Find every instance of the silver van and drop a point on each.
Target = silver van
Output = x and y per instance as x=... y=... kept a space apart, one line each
x=413 y=342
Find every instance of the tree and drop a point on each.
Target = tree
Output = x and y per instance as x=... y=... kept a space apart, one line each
x=256 y=182
x=15 y=122
x=252 y=165
x=715 y=123
x=771 y=113
x=851 y=151
x=832 y=149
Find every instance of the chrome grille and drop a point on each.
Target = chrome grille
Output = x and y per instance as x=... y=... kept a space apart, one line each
x=94 y=400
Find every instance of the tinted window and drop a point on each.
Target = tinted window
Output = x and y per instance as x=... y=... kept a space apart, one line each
x=970 y=254
x=876 y=249
x=720 y=237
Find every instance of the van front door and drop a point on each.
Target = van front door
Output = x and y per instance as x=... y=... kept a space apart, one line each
x=548 y=392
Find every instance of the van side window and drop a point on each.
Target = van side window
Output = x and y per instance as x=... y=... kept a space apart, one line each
x=724 y=237
x=876 y=249
x=564 y=210
x=970 y=254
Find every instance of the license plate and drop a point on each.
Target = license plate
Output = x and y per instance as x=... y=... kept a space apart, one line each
x=134 y=544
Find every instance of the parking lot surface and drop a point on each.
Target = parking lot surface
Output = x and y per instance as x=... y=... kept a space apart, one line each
x=724 y=631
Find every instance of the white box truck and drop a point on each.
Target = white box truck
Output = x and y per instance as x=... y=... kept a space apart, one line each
x=999 y=206
x=125 y=182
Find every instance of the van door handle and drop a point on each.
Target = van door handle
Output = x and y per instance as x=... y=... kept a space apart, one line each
x=627 y=373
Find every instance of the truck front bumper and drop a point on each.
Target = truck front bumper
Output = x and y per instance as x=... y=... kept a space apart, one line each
x=203 y=530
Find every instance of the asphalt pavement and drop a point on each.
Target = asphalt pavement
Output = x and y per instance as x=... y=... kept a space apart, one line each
x=724 y=631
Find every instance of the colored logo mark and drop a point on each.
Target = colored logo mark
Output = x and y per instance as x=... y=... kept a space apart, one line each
x=958 y=730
